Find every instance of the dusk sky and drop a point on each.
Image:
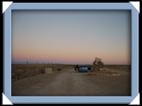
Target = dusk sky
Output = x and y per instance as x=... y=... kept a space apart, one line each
x=71 y=37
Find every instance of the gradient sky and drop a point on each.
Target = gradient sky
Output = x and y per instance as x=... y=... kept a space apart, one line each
x=71 y=37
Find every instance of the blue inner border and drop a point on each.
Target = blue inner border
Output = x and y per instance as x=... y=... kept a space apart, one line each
x=71 y=6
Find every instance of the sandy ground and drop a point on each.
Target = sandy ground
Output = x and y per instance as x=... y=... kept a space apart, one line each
x=71 y=83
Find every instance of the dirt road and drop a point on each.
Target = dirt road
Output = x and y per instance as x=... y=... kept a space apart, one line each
x=70 y=83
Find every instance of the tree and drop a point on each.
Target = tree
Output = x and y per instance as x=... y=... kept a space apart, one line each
x=97 y=64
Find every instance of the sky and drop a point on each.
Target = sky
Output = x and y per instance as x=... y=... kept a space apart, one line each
x=71 y=37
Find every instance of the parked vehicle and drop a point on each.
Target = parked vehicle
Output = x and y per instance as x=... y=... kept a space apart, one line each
x=82 y=68
x=96 y=66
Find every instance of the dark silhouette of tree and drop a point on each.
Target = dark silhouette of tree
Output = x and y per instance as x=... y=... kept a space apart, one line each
x=100 y=64
x=97 y=64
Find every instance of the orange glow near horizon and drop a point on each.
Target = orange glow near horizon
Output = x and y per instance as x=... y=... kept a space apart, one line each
x=70 y=57
x=71 y=37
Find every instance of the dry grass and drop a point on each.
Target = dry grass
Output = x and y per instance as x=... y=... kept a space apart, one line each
x=111 y=70
x=20 y=71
